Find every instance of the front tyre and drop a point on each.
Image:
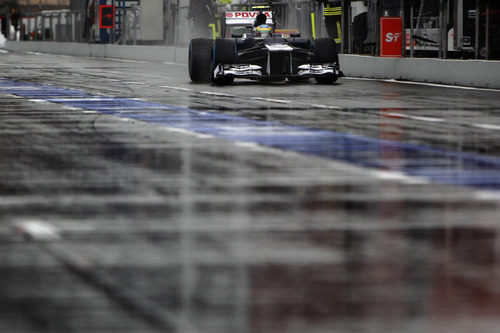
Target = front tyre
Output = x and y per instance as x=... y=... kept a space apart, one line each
x=327 y=79
x=325 y=51
x=224 y=53
x=200 y=59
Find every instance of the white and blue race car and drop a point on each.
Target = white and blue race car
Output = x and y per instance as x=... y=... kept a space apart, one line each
x=262 y=54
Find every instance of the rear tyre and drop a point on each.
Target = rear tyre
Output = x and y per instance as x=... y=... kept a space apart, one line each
x=301 y=42
x=200 y=59
x=224 y=52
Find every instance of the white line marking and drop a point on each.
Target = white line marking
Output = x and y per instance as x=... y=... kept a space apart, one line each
x=405 y=116
x=38 y=230
x=189 y=132
x=440 y=85
x=34 y=53
x=71 y=108
x=213 y=93
x=321 y=106
x=19 y=88
x=281 y=101
x=93 y=99
x=399 y=176
x=126 y=60
x=487 y=195
x=173 y=63
x=137 y=83
x=433 y=120
x=420 y=83
x=176 y=88
x=487 y=126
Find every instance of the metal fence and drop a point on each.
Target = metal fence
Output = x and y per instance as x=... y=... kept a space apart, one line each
x=61 y=26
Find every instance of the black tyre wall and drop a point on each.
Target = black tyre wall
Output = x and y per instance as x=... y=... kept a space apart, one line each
x=325 y=50
x=304 y=43
x=200 y=59
x=225 y=51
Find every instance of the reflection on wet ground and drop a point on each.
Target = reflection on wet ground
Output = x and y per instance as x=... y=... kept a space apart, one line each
x=387 y=152
x=126 y=215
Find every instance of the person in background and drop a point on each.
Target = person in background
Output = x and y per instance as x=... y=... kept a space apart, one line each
x=332 y=12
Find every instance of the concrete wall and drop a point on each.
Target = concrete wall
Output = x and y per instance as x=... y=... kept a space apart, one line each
x=147 y=53
x=474 y=73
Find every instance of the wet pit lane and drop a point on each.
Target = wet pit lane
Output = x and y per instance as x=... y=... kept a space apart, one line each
x=134 y=201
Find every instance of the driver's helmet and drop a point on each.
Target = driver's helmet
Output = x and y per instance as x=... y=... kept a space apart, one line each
x=263 y=30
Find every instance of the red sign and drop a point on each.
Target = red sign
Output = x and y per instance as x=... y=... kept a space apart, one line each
x=391 y=36
x=107 y=16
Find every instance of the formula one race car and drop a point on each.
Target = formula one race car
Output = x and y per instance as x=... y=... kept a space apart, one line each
x=261 y=54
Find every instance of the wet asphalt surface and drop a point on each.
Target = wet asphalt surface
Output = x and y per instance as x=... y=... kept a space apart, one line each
x=132 y=200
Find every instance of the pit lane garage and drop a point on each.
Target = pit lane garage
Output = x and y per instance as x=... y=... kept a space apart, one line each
x=261 y=54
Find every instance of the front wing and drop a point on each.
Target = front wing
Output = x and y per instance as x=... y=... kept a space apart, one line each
x=275 y=61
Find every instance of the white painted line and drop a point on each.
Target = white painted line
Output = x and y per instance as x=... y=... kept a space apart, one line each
x=93 y=99
x=127 y=120
x=440 y=85
x=420 y=83
x=126 y=60
x=172 y=63
x=248 y=145
x=34 y=53
x=322 y=106
x=487 y=126
x=214 y=93
x=281 y=101
x=405 y=116
x=189 y=132
x=487 y=195
x=136 y=83
x=433 y=120
x=19 y=88
x=176 y=88
x=38 y=230
x=398 y=176
x=3 y=51
x=71 y=108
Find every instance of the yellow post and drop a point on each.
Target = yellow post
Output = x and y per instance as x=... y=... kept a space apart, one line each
x=313 y=25
x=214 y=31
x=339 y=33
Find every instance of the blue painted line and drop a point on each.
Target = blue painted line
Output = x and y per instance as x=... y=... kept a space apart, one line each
x=436 y=165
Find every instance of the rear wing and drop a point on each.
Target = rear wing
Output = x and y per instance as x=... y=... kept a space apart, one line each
x=245 y=18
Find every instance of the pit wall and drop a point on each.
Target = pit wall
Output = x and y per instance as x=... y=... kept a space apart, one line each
x=472 y=73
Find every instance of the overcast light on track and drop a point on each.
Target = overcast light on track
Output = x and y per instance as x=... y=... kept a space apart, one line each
x=134 y=200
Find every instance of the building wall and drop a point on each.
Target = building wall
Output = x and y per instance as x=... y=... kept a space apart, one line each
x=152 y=20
